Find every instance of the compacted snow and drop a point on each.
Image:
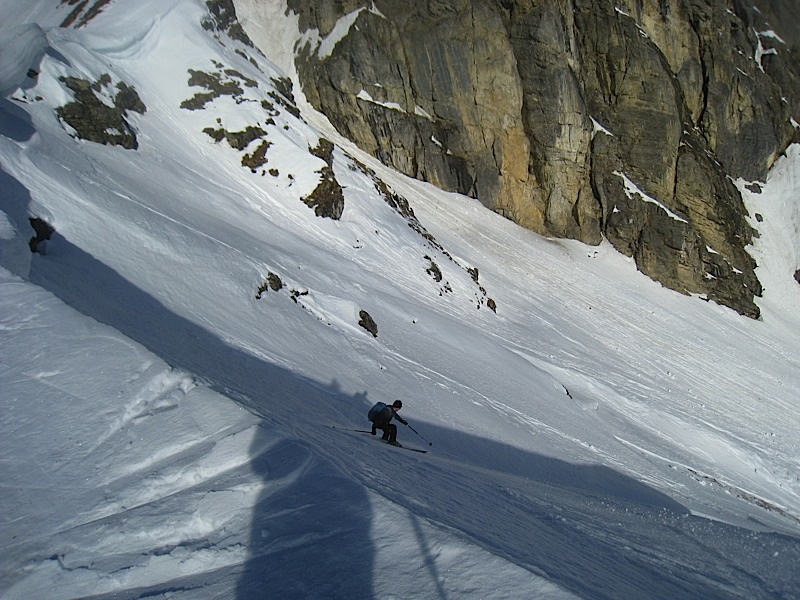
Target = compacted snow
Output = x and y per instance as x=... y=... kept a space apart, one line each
x=174 y=426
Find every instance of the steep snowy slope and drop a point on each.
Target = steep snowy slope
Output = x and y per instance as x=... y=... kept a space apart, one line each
x=593 y=435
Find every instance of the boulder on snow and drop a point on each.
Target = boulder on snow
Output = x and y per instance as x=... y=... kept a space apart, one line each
x=367 y=322
x=44 y=231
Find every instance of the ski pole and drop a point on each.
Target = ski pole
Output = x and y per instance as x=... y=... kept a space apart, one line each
x=418 y=433
x=346 y=429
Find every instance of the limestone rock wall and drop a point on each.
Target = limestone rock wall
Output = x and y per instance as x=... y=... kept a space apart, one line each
x=586 y=119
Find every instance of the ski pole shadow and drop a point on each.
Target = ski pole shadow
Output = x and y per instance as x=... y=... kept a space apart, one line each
x=427 y=557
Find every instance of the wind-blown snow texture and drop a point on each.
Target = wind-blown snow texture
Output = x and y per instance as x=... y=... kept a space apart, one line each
x=165 y=433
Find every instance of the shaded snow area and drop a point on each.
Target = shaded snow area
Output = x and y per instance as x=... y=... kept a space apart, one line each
x=220 y=288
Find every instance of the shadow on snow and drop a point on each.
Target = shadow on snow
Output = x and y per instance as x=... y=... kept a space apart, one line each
x=307 y=540
x=586 y=528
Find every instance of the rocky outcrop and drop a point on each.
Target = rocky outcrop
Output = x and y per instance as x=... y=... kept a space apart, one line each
x=367 y=322
x=99 y=112
x=327 y=199
x=44 y=231
x=83 y=11
x=622 y=120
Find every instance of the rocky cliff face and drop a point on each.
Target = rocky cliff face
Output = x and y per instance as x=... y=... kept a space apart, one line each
x=576 y=118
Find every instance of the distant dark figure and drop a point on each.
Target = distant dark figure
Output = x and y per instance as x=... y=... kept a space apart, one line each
x=381 y=414
x=44 y=231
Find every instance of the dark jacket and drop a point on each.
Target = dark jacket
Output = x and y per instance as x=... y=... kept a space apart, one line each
x=382 y=416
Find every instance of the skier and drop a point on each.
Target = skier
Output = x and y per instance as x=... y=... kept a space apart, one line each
x=380 y=415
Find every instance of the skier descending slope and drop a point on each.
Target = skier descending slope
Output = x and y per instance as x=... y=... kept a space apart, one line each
x=381 y=414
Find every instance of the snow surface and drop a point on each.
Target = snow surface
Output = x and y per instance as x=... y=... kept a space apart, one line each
x=166 y=434
x=22 y=48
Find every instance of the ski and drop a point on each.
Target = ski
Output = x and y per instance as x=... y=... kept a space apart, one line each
x=346 y=429
x=405 y=447
x=420 y=450
x=380 y=440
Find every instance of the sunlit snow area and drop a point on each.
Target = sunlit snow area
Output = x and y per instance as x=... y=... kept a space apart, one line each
x=174 y=424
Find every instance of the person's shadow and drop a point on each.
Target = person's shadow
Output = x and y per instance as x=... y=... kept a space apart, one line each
x=307 y=507
x=310 y=530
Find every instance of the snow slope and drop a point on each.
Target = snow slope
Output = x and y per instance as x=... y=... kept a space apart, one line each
x=167 y=433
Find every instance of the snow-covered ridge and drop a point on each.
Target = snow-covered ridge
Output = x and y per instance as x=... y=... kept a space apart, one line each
x=171 y=367
x=23 y=47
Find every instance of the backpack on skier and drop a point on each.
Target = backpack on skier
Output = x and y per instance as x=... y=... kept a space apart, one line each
x=376 y=410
